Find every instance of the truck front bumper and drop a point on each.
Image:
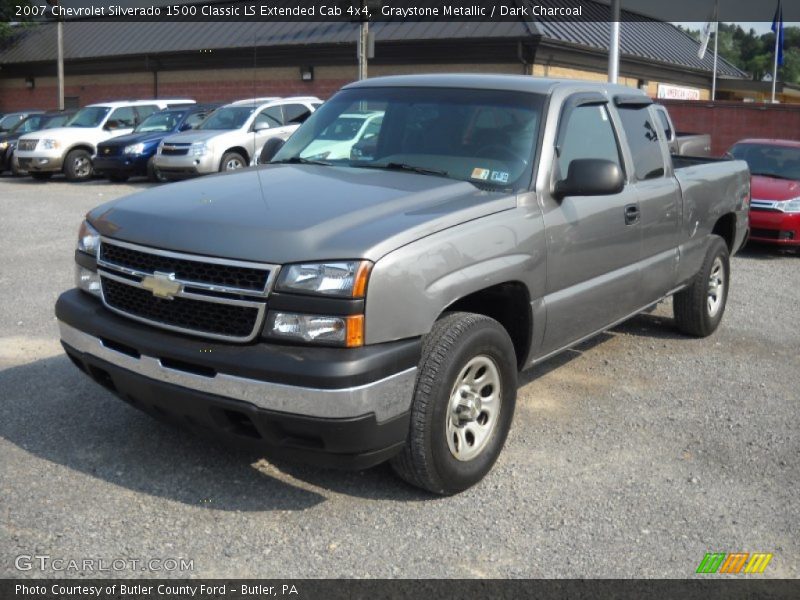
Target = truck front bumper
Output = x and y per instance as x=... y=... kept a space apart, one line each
x=329 y=406
x=176 y=167
x=40 y=163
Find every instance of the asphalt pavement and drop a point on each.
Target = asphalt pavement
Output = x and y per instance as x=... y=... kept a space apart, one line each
x=630 y=456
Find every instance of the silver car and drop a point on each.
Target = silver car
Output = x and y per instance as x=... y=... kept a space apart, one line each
x=230 y=137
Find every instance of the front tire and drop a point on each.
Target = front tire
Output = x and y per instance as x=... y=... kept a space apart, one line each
x=78 y=165
x=463 y=404
x=153 y=174
x=231 y=161
x=698 y=309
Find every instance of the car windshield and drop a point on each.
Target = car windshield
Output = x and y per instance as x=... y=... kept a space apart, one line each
x=486 y=137
x=91 y=116
x=780 y=162
x=32 y=123
x=9 y=121
x=160 y=122
x=228 y=118
x=56 y=121
x=343 y=128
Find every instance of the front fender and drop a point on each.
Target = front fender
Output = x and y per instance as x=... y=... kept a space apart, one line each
x=410 y=287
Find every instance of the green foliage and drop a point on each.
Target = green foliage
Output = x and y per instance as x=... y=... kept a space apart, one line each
x=8 y=10
x=755 y=53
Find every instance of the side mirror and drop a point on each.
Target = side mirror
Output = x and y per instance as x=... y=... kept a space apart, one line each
x=590 y=177
x=261 y=127
x=185 y=127
x=270 y=149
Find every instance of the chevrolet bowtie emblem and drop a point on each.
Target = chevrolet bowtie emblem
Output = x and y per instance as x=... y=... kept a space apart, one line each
x=163 y=285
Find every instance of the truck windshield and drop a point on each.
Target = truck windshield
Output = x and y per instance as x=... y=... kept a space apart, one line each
x=779 y=162
x=91 y=116
x=227 y=118
x=160 y=121
x=486 y=137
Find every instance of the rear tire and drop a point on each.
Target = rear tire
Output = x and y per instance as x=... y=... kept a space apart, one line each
x=698 y=309
x=463 y=404
x=78 y=165
x=232 y=161
x=40 y=176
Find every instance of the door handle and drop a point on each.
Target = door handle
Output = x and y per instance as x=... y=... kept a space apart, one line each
x=631 y=214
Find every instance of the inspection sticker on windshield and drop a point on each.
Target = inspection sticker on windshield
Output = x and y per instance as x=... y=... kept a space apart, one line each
x=499 y=176
x=482 y=174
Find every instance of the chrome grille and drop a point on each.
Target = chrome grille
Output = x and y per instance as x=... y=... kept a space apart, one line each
x=27 y=145
x=208 y=297
x=175 y=149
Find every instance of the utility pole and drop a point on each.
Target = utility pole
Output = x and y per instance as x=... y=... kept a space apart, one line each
x=60 y=52
x=363 y=42
x=613 y=49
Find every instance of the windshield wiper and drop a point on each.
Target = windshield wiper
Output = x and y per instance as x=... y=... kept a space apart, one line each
x=396 y=166
x=299 y=160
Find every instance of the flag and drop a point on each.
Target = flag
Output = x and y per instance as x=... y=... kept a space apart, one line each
x=706 y=35
x=777 y=27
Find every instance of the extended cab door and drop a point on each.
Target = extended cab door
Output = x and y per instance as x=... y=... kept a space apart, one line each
x=593 y=242
x=658 y=192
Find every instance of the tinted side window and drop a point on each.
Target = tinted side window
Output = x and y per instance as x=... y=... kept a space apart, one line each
x=269 y=117
x=643 y=140
x=662 y=114
x=295 y=113
x=588 y=133
x=122 y=118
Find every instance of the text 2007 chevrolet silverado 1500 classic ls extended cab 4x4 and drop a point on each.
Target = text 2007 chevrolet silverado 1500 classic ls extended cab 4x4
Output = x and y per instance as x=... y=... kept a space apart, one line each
x=354 y=311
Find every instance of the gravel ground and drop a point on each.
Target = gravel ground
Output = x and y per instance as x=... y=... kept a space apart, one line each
x=631 y=456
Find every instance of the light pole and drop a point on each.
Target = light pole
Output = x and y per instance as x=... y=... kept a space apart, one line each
x=613 y=49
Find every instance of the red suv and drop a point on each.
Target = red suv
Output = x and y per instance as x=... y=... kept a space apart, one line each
x=775 y=207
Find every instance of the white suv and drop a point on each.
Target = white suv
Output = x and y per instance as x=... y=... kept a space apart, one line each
x=70 y=148
x=230 y=137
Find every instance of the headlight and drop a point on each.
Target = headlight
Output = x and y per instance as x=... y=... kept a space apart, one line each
x=86 y=280
x=3 y=145
x=134 y=149
x=49 y=144
x=335 y=331
x=338 y=279
x=198 y=149
x=88 y=239
x=791 y=206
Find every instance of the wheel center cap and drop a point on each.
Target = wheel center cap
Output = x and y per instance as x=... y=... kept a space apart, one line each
x=468 y=405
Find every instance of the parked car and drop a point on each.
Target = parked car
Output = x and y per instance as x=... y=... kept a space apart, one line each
x=129 y=155
x=69 y=149
x=232 y=136
x=683 y=143
x=775 y=171
x=351 y=312
x=10 y=120
x=339 y=138
x=35 y=122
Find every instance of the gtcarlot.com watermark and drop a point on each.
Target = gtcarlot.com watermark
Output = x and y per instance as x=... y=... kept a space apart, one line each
x=47 y=563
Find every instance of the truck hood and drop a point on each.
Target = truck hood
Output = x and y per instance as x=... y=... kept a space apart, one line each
x=770 y=188
x=189 y=137
x=136 y=138
x=74 y=135
x=290 y=213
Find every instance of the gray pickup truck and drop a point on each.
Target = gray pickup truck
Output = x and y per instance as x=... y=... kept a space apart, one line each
x=352 y=311
x=683 y=143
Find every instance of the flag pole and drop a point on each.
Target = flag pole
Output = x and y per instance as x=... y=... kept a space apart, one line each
x=716 y=48
x=613 y=49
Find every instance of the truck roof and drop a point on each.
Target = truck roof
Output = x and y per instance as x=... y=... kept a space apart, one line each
x=517 y=83
x=118 y=103
x=771 y=142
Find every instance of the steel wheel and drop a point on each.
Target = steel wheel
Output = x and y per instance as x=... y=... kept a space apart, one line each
x=474 y=408
x=716 y=287
x=82 y=166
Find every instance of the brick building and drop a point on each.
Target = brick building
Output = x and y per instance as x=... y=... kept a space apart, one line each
x=221 y=61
